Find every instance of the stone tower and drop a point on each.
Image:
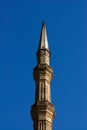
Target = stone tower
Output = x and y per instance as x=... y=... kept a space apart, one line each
x=43 y=111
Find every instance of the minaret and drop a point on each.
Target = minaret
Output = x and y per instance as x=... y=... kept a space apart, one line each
x=43 y=111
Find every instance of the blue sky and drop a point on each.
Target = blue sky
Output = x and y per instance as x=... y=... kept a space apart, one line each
x=20 y=26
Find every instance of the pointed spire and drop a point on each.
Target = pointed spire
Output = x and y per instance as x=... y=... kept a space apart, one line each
x=43 y=44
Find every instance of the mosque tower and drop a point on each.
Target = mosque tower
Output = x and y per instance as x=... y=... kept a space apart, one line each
x=42 y=111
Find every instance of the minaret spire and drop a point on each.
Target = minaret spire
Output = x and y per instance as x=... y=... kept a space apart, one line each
x=43 y=44
x=43 y=111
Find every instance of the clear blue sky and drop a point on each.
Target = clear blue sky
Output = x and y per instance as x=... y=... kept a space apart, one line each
x=20 y=26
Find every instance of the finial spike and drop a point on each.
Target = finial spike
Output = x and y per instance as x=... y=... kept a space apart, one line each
x=43 y=23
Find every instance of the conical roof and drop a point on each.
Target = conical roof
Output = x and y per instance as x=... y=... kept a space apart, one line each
x=43 y=44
